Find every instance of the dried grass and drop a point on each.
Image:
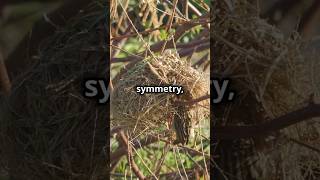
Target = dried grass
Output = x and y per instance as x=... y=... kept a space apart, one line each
x=274 y=72
x=149 y=113
x=50 y=131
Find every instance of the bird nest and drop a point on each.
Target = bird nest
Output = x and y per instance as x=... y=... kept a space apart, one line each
x=50 y=130
x=262 y=60
x=272 y=77
x=152 y=113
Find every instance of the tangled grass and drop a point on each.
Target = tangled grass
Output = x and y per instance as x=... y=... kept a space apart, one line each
x=50 y=130
x=273 y=77
x=144 y=113
x=142 y=32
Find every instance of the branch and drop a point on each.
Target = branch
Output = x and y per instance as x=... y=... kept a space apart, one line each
x=121 y=151
x=115 y=157
x=310 y=20
x=147 y=32
x=170 y=44
x=192 y=173
x=5 y=83
x=133 y=165
x=193 y=101
x=182 y=52
x=236 y=132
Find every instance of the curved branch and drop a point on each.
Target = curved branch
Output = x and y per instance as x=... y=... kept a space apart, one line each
x=236 y=132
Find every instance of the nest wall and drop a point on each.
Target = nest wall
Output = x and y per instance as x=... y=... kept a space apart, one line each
x=273 y=77
x=149 y=113
x=50 y=131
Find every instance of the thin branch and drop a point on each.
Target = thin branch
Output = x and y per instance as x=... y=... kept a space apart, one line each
x=134 y=166
x=157 y=46
x=115 y=157
x=162 y=158
x=236 y=132
x=147 y=32
x=194 y=101
x=201 y=61
x=182 y=52
x=310 y=20
x=305 y=145
x=169 y=25
x=5 y=83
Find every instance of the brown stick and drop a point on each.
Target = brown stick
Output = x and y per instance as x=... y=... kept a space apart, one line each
x=194 y=101
x=5 y=83
x=305 y=145
x=236 y=132
x=147 y=32
x=114 y=157
x=183 y=52
x=134 y=166
x=158 y=46
x=310 y=20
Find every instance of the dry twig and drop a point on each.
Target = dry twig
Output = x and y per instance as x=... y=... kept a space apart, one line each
x=133 y=165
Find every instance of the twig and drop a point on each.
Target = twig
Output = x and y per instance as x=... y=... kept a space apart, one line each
x=114 y=157
x=236 y=132
x=182 y=52
x=158 y=46
x=162 y=158
x=194 y=9
x=5 y=83
x=185 y=148
x=194 y=101
x=134 y=166
x=310 y=20
x=190 y=172
x=185 y=8
x=147 y=32
x=169 y=25
x=201 y=61
x=304 y=145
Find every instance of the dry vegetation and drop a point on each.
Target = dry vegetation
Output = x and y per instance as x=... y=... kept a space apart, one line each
x=161 y=43
x=278 y=87
x=49 y=130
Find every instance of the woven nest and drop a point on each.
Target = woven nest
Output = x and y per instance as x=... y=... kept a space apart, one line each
x=50 y=130
x=273 y=78
x=150 y=113
x=266 y=63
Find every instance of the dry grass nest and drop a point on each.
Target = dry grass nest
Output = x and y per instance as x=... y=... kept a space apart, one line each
x=50 y=130
x=273 y=77
x=257 y=55
x=150 y=113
